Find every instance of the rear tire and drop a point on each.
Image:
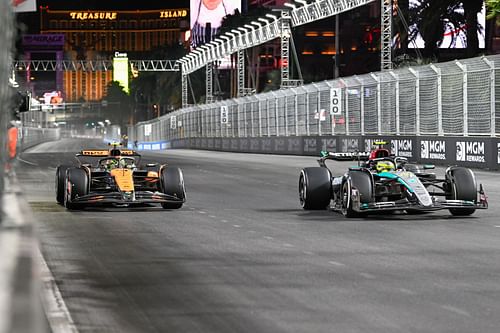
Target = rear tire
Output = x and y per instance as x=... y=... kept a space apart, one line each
x=60 y=182
x=362 y=181
x=462 y=186
x=172 y=183
x=76 y=185
x=315 y=188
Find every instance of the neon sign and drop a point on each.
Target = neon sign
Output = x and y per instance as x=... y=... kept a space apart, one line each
x=173 y=13
x=93 y=16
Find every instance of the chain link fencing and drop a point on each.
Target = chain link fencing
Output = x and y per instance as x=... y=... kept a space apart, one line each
x=458 y=98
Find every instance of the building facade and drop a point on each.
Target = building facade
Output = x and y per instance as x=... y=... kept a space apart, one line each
x=97 y=35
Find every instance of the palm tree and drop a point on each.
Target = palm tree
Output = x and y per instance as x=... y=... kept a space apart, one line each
x=493 y=9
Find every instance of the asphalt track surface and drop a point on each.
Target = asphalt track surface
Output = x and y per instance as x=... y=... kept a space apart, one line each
x=242 y=256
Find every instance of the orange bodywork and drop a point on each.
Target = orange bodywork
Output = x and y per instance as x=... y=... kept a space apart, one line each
x=124 y=179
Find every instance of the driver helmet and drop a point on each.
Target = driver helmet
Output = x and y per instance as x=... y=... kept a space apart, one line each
x=112 y=164
x=385 y=166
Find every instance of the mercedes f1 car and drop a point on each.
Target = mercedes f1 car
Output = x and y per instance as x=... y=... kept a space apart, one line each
x=113 y=177
x=390 y=183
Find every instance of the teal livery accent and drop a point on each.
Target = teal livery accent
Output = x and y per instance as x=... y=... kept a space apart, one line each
x=323 y=153
x=390 y=175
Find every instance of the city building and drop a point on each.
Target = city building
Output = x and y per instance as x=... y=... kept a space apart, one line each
x=98 y=34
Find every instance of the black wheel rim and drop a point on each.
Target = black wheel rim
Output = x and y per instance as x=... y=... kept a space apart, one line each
x=345 y=198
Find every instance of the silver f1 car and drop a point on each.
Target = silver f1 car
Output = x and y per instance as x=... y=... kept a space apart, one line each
x=390 y=184
x=113 y=177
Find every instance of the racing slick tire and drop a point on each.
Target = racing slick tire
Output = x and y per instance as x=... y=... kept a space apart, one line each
x=315 y=188
x=462 y=186
x=362 y=181
x=172 y=183
x=76 y=185
x=60 y=182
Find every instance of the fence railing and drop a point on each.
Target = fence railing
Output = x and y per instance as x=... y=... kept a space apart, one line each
x=458 y=98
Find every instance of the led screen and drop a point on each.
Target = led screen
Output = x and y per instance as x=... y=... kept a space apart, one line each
x=120 y=71
x=206 y=18
x=455 y=27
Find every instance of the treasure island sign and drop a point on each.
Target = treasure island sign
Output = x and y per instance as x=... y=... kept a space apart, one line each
x=164 y=14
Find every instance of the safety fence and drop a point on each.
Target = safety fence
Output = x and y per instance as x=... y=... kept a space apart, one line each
x=458 y=98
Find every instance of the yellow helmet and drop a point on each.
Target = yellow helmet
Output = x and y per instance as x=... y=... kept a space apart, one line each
x=385 y=166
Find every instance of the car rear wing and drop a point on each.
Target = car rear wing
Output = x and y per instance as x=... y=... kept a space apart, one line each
x=106 y=153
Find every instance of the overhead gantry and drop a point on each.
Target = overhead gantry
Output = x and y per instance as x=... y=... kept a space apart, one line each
x=260 y=32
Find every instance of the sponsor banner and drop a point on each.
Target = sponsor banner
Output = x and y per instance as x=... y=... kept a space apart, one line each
x=226 y=143
x=244 y=144
x=349 y=145
x=402 y=147
x=234 y=144
x=294 y=146
x=310 y=145
x=328 y=144
x=279 y=145
x=433 y=150
x=266 y=145
x=470 y=151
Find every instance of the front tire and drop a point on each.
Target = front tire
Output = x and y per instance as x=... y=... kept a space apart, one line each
x=76 y=185
x=172 y=183
x=462 y=186
x=362 y=181
x=315 y=188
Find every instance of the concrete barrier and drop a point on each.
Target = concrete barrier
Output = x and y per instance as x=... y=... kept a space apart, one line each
x=474 y=152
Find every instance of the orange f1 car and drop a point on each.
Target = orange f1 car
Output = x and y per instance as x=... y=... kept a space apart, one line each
x=113 y=177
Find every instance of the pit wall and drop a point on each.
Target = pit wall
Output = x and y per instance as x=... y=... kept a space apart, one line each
x=473 y=152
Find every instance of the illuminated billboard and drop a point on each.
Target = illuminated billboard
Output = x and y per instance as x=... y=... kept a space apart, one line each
x=453 y=21
x=120 y=70
x=20 y=6
x=207 y=16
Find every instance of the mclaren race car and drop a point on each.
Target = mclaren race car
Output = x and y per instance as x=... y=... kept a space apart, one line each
x=113 y=177
x=390 y=183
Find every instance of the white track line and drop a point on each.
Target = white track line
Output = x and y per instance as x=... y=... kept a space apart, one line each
x=27 y=162
x=57 y=313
